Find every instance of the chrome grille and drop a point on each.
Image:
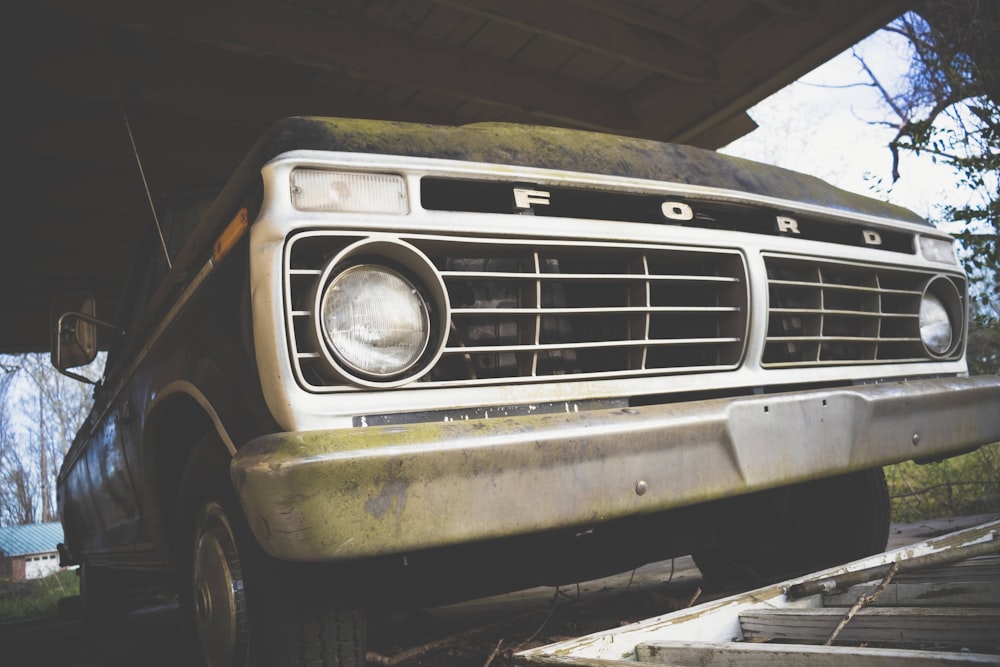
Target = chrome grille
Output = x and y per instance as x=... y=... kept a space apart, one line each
x=831 y=313
x=536 y=311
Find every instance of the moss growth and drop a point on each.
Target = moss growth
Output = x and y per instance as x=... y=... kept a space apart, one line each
x=566 y=150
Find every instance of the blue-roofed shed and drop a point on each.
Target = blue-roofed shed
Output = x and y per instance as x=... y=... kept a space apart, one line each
x=29 y=552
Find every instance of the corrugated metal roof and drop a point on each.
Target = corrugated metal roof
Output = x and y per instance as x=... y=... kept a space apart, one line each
x=36 y=538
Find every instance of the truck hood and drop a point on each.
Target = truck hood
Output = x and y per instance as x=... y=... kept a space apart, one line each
x=565 y=150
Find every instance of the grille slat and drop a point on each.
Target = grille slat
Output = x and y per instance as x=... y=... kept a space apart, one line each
x=846 y=288
x=842 y=339
x=526 y=311
x=862 y=362
x=846 y=313
x=599 y=277
x=589 y=346
x=824 y=313
x=592 y=311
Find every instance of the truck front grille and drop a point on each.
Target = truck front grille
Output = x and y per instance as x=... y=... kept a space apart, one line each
x=825 y=313
x=535 y=311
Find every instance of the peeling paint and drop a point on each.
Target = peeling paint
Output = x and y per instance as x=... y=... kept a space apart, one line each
x=394 y=489
x=718 y=622
x=392 y=497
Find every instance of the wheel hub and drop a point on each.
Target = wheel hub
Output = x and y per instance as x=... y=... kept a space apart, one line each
x=218 y=596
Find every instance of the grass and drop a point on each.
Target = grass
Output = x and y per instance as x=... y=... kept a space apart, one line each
x=36 y=597
x=963 y=485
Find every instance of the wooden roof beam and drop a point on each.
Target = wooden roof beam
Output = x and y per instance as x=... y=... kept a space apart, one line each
x=651 y=21
x=786 y=8
x=368 y=53
x=842 y=22
x=605 y=32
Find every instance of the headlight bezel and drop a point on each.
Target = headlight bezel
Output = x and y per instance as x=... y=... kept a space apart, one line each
x=948 y=296
x=409 y=264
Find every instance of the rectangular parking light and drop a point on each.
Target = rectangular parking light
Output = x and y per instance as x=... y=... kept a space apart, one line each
x=938 y=250
x=348 y=192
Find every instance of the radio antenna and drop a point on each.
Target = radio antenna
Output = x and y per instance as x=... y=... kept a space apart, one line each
x=145 y=183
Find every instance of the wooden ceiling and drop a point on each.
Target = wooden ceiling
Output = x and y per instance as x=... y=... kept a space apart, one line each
x=200 y=81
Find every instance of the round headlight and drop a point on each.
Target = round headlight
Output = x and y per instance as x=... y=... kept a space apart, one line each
x=375 y=321
x=942 y=317
x=935 y=325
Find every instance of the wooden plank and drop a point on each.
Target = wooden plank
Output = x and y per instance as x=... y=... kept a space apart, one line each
x=719 y=622
x=958 y=626
x=546 y=54
x=184 y=82
x=724 y=132
x=710 y=654
x=923 y=594
x=566 y=21
x=560 y=661
x=914 y=564
x=447 y=25
x=651 y=21
x=589 y=66
x=367 y=52
x=983 y=568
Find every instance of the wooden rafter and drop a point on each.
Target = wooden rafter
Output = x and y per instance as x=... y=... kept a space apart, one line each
x=605 y=33
x=654 y=22
x=368 y=52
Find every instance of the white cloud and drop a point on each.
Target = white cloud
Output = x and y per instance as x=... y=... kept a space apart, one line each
x=824 y=125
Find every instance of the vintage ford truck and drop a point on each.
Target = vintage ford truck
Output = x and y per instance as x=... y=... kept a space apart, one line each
x=394 y=363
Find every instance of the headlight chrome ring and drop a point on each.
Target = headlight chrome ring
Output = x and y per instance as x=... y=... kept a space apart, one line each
x=942 y=318
x=381 y=313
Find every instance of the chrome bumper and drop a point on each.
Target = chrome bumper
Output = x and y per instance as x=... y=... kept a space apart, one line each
x=354 y=493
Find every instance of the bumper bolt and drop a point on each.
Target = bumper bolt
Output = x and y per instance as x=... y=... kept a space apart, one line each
x=641 y=487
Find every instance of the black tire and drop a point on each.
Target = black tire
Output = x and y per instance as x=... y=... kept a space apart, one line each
x=820 y=524
x=104 y=597
x=240 y=607
x=320 y=637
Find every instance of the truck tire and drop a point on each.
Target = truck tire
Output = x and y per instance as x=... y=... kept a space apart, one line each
x=238 y=610
x=320 y=637
x=826 y=522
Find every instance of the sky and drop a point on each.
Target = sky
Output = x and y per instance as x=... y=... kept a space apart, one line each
x=824 y=125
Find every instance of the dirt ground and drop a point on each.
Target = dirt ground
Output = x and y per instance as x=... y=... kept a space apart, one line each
x=472 y=634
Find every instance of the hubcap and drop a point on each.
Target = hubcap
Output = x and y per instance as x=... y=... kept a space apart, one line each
x=217 y=591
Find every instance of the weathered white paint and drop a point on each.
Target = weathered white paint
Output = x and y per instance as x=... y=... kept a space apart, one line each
x=40 y=565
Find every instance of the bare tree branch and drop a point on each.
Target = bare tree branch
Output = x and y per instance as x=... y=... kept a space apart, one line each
x=886 y=96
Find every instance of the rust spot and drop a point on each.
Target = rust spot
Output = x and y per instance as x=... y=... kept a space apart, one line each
x=392 y=497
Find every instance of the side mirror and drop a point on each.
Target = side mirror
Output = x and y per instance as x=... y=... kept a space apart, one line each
x=74 y=333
